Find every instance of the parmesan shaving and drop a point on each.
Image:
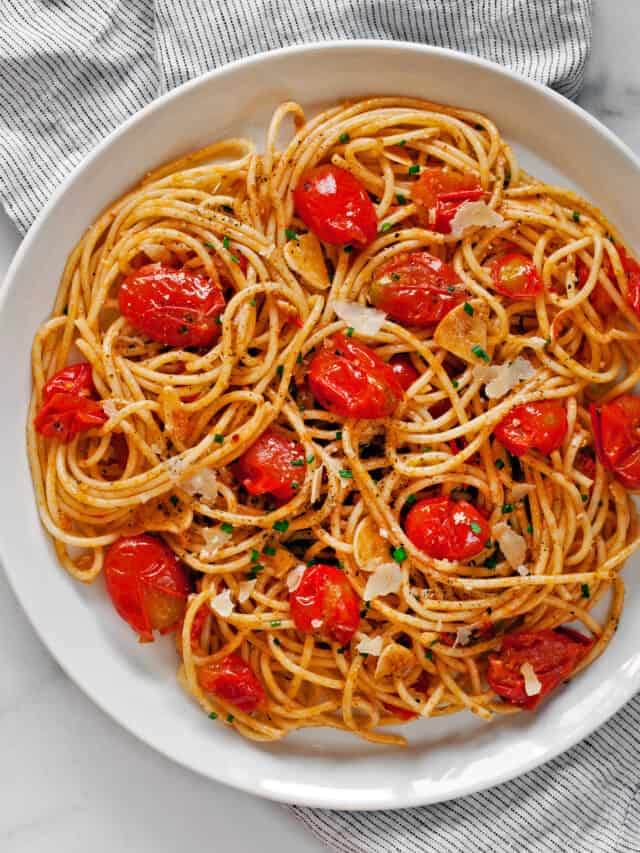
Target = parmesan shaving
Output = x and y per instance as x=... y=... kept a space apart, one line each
x=522 y=570
x=501 y=378
x=222 y=603
x=109 y=408
x=245 y=589
x=295 y=576
x=512 y=545
x=370 y=646
x=521 y=490
x=532 y=686
x=364 y=320
x=474 y=214
x=214 y=539
x=463 y=635
x=316 y=483
x=316 y=623
x=176 y=466
x=203 y=483
x=385 y=579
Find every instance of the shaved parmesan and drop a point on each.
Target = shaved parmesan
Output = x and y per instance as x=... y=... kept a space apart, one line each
x=521 y=490
x=474 y=214
x=245 y=589
x=522 y=570
x=294 y=577
x=363 y=320
x=305 y=257
x=316 y=623
x=203 y=483
x=501 y=378
x=109 y=408
x=512 y=545
x=316 y=483
x=176 y=466
x=214 y=539
x=385 y=579
x=461 y=333
x=463 y=635
x=370 y=646
x=532 y=685
x=222 y=603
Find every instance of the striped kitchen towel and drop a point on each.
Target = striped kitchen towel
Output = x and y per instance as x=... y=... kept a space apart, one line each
x=72 y=71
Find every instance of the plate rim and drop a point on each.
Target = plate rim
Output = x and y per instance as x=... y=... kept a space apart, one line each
x=287 y=794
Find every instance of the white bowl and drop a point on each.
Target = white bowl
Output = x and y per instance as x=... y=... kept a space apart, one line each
x=136 y=684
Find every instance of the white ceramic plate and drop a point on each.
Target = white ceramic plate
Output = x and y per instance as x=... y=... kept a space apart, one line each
x=135 y=684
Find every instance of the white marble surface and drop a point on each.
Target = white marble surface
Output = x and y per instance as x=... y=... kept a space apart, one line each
x=72 y=780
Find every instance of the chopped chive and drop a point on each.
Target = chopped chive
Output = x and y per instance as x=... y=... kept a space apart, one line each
x=218 y=438
x=290 y=234
x=586 y=592
x=478 y=351
x=276 y=641
x=310 y=459
x=299 y=358
x=280 y=369
x=410 y=500
x=344 y=137
x=413 y=170
x=297 y=463
x=295 y=485
x=529 y=528
x=219 y=320
x=507 y=178
x=468 y=309
x=226 y=527
x=429 y=654
x=230 y=718
x=399 y=554
x=269 y=551
x=213 y=716
x=282 y=526
x=276 y=623
x=174 y=500
x=345 y=473
x=209 y=246
x=490 y=563
x=183 y=330
x=386 y=226
x=364 y=654
x=451 y=289
x=350 y=331
x=475 y=527
x=253 y=571
x=576 y=216
x=499 y=464
x=395 y=276
x=401 y=199
x=339 y=435
x=585 y=498
x=402 y=142
x=235 y=259
x=254 y=556
x=225 y=242
x=455 y=383
x=342 y=650
x=506 y=508
x=252 y=302
x=348 y=248
x=435 y=642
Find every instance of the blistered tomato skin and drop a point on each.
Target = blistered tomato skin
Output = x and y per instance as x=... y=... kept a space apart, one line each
x=336 y=207
x=516 y=276
x=533 y=426
x=274 y=464
x=234 y=681
x=442 y=193
x=325 y=603
x=350 y=380
x=176 y=307
x=67 y=405
x=446 y=529
x=403 y=370
x=616 y=431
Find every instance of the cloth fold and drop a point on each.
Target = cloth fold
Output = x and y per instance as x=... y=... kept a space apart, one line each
x=70 y=72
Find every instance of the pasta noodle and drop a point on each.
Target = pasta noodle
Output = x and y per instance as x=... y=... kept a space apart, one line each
x=179 y=417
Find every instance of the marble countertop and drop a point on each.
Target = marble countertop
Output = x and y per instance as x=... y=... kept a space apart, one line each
x=74 y=781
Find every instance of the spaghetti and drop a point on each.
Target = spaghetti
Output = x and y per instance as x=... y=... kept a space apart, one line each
x=455 y=533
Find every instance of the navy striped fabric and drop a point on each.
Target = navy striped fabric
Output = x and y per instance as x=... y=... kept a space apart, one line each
x=72 y=70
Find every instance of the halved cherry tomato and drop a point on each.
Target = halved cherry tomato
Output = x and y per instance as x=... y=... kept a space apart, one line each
x=147 y=584
x=416 y=288
x=446 y=529
x=176 y=307
x=515 y=276
x=350 y=380
x=533 y=426
x=325 y=602
x=445 y=191
x=63 y=416
x=272 y=465
x=234 y=681
x=336 y=207
x=74 y=379
x=616 y=430
x=553 y=655
x=403 y=370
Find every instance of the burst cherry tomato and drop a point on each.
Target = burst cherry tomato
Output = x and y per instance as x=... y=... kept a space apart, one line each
x=147 y=584
x=403 y=370
x=325 y=602
x=67 y=405
x=336 y=207
x=175 y=307
x=443 y=192
x=416 y=288
x=616 y=430
x=350 y=380
x=632 y=269
x=553 y=655
x=516 y=276
x=272 y=465
x=533 y=426
x=234 y=681
x=446 y=529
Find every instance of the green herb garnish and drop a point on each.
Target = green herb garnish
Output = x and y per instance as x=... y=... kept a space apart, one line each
x=480 y=353
x=399 y=554
x=282 y=526
x=468 y=309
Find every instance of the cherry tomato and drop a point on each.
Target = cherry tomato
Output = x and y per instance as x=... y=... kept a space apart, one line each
x=533 y=426
x=272 y=465
x=336 y=207
x=325 y=602
x=403 y=370
x=147 y=584
x=63 y=416
x=234 y=681
x=416 y=288
x=553 y=655
x=446 y=529
x=632 y=269
x=443 y=192
x=74 y=379
x=175 y=307
x=350 y=380
x=516 y=276
x=616 y=430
